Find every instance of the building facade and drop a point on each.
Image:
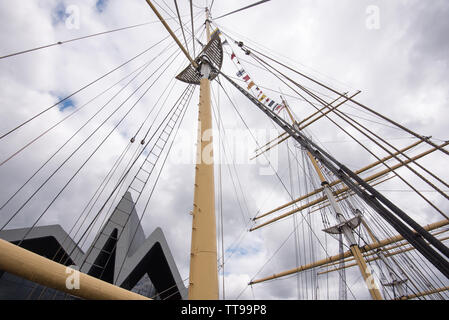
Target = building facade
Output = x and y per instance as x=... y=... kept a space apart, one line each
x=119 y=254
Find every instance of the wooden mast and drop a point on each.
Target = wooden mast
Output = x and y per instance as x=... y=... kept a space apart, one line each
x=203 y=280
x=345 y=229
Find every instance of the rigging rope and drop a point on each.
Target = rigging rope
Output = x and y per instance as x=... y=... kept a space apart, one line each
x=179 y=121
x=129 y=169
x=54 y=199
x=67 y=141
x=66 y=117
x=193 y=29
x=241 y=9
x=104 y=186
x=356 y=140
x=180 y=23
x=76 y=39
x=84 y=87
x=357 y=103
x=286 y=189
x=79 y=90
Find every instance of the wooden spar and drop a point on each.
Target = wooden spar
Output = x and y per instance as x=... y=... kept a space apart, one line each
x=337 y=192
x=347 y=254
x=422 y=138
x=330 y=110
x=370 y=253
x=35 y=268
x=270 y=147
x=348 y=194
x=203 y=279
x=335 y=182
x=376 y=175
x=184 y=50
x=424 y=293
x=389 y=254
x=271 y=141
x=302 y=127
x=316 y=112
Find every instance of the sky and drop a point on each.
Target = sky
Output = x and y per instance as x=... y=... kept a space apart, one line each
x=394 y=52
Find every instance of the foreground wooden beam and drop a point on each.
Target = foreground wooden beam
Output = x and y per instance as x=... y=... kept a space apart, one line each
x=33 y=267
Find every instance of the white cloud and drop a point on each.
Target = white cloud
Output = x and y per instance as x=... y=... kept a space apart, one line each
x=400 y=69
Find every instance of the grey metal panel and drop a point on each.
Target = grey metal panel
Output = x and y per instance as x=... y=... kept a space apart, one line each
x=157 y=236
x=56 y=231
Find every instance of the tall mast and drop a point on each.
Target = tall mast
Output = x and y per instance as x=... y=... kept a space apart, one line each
x=203 y=280
x=344 y=227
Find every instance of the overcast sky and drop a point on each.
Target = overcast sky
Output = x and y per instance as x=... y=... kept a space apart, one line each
x=394 y=52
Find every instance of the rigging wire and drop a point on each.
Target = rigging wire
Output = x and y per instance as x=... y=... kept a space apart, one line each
x=384 y=229
x=65 y=118
x=286 y=189
x=103 y=183
x=90 y=156
x=180 y=23
x=121 y=180
x=356 y=140
x=81 y=89
x=54 y=154
x=294 y=63
x=141 y=68
x=179 y=120
x=104 y=186
x=129 y=169
x=241 y=9
x=79 y=38
x=193 y=29
x=84 y=87
x=428 y=141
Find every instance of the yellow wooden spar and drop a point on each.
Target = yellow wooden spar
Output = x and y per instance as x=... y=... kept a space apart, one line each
x=329 y=105
x=346 y=254
x=389 y=254
x=184 y=50
x=33 y=267
x=344 y=189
